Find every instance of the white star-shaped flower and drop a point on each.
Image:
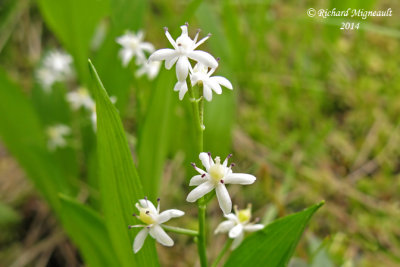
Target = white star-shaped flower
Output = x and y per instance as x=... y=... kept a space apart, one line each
x=237 y=224
x=56 y=67
x=184 y=48
x=153 y=219
x=56 y=136
x=80 y=99
x=201 y=75
x=215 y=177
x=133 y=45
x=150 y=68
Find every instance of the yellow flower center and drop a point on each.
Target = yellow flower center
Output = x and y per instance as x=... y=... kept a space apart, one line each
x=217 y=171
x=244 y=215
x=145 y=217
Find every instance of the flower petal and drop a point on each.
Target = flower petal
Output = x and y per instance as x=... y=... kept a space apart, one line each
x=170 y=62
x=182 y=68
x=239 y=178
x=146 y=47
x=224 y=199
x=215 y=86
x=197 y=180
x=139 y=239
x=200 y=191
x=148 y=205
x=207 y=93
x=232 y=217
x=183 y=91
x=163 y=54
x=253 y=227
x=224 y=227
x=204 y=58
x=205 y=160
x=168 y=214
x=238 y=240
x=126 y=56
x=222 y=81
x=236 y=231
x=161 y=236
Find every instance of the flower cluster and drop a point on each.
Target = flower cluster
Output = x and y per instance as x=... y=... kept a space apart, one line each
x=216 y=174
x=56 y=67
x=185 y=49
x=134 y=46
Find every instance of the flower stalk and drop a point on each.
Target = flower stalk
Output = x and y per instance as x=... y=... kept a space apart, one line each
x=180 y=230
x=222 y=252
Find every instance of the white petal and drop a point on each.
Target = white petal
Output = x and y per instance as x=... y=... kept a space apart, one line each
x=163 y=54
x=224 y=199
x=236 y=231
x=204 y=58
x=147 y=47
x=224 y=227
x=183 y=91
x=222 y=81
x=232 y=217
x=253 y=227
x=168 y=214
x=215 y=86
x=237 y=241
x=161 y=236
x=207 y=93
x=139 y=239
x=170 y=62
x=126 y=56
x=197 y=180
x=200 y=191
x=205 y=160
x=179 y=85
x=182 y=68
x=239 y=178
x=148 y=205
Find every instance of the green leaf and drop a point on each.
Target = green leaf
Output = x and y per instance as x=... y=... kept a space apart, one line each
x=74 y=23
x=275 y=244
x=120 y=186
x=154 y=135
x=87 y=230
x=24 y=137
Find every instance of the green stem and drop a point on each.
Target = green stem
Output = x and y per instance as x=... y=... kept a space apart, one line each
x=180 y=230
x=198 y=111
x=222 y=252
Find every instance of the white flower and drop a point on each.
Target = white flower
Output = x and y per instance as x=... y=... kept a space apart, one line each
x=56 y=68
x=80 y=99
x=201 y=75
x=56 y=136
x=215 y=177
x=133 y=45
x=184 y=48
x=153 y=219
x=237 y=224
x=150 y=68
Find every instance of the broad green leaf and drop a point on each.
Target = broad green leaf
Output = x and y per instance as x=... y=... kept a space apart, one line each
x=87 y=230
x=275 y=244
x=74 y=23
x=120 y=186
x=22 y=134
x=154 y=134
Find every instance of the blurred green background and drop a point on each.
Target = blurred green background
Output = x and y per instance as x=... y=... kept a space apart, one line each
x=313 y=114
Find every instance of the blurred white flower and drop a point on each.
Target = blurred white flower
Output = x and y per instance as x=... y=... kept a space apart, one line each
x=201 y=75
x=184 y=48
x=215 y=177
x=56 y=136
x=153 y=219
x=133 y=45
x=57 y=67
x=80 y=99
x=150 y=68
x=237 y=224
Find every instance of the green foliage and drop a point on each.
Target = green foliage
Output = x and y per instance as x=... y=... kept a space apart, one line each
x=275 y=244
x=87 y=230
x=120 y=186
